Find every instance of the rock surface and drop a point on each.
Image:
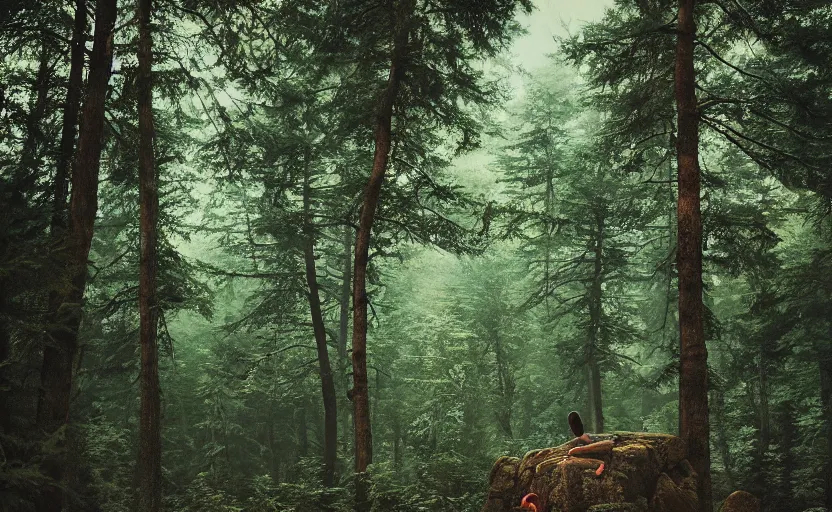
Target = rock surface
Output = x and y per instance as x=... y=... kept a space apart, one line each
x=642 y=472
x=740 y=501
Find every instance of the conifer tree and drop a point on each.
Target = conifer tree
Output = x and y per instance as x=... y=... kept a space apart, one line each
x=61 y=348
x=694 y=425
x=150 y=431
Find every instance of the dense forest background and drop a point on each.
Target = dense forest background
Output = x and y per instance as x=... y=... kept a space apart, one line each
x=185 y=202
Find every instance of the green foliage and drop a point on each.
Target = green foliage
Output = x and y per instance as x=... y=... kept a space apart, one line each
x=201 y=495
x=489 y=301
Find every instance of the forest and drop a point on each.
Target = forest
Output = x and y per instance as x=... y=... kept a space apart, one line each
x=342 y=255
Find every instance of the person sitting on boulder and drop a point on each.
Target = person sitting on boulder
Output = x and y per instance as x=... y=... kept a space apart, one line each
x=590 y=445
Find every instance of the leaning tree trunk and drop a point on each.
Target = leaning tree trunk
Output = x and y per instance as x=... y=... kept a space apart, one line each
x=359 y=392
x=595 y=310
x=69 y=128
x=150 y=431
x=324 y=366
x=62 y=345
x=693 y=370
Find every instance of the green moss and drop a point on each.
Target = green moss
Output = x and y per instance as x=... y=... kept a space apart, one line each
x=617 y=507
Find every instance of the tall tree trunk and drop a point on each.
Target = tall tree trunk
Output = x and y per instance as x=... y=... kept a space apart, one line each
x=765 y=427
x=764 y=422
x=825 y=368
x=693 y=371
x=785 y=498
x=346 y=285
x=303 y=432
x=721 y=441
x=274 y=461
x=595 y=311
x=62 y=345
x=593 y=375
x=505 y=386
x=397 y=441
x=359 y=392
x=5 y=352
x=343 y=325
x=150 y=428
x=69 y=128
x=550 y=225
x=324 y=366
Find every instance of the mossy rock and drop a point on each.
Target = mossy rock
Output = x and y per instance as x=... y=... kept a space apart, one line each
x=619 y=507
x=643 y=472
x=671 y=497
x=740 y=501
x=503 y=472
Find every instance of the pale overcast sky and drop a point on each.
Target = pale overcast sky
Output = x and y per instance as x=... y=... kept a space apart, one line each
x=551 y=18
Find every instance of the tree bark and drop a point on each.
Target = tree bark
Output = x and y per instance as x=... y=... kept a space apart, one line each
x=384 y=116
x=397 y=441
x=693 y=371
x=324 y=366
x=505 y=386
x=5 y=352
x=274 y=461
x=62 y=344
x=150 y=430
x=346 y=285
x=825 y=368
x=765 y=424
x=721 y=442
x=69 y=128
x=786 y=498
x=595 y=310
x=303 y=432
x=343 y=327
x=550 y=225
x=764 y=421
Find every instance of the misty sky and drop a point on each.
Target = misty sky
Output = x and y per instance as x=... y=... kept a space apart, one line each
x=552 y=17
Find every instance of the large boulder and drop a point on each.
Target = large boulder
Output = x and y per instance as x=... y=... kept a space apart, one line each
x=740 y=501
x=641 y=472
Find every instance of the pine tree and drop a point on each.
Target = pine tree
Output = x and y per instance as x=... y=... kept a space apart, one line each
x=486 y=26
x=150 y=431
x=359 y=394
x=61 y=349
x=580 y=220
x=694 y=425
